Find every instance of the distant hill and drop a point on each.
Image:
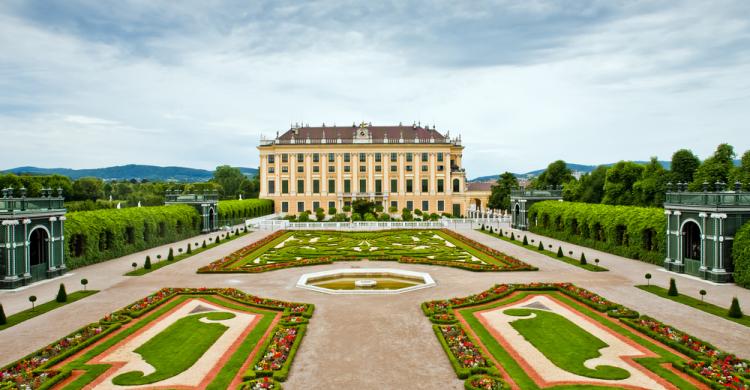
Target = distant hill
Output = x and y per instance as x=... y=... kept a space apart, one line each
x=132 y=171
x=572 y=167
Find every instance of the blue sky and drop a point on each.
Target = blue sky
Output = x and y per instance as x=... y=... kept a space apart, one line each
x=92 y=83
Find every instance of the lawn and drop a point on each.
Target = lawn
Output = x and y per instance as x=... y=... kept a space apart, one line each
x=553 y=255
x=294 y=248
x=40 y=309
x=696 y=303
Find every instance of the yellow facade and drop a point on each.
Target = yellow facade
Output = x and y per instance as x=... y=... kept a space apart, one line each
x=303 y=173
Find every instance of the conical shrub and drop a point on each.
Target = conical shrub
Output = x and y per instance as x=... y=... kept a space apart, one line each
x=170 y=256
x=583 y=259
x=512 y=237
x=147 y=263
x=3 y=319
x=672 y=288
x=204 y=244
x=189 y=249
x=559 y=252
x=540 y=247
x=62 y=295
x=525 y=241
x=734 y=309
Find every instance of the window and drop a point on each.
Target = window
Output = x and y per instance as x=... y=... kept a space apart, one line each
x=409 y=157
x=409 y=168
x=378 y=185
x=424 y=168
x=362 y=157
x=394 y=157
x=440 y=186
x=362 y=185
x=300 y=157
x=271 y=187
x=284 y=207
x=425 y=205
x=409 y=185
x=331 y=186
x=378 y=168
x=300 y=207
x=410 y=205
x=271 y=159
x=456 y=185
x=394 y=203
x=347 y=185
x=363 y=168
x=347 y=169
x=300 y=186
x=441 y=168
x=316 y=157
x=316 y=188
x=271 y=170
x=441 y=205
x=394 y=185
x=300 y=168
x=331 y=157
x=285 y=158
x=285 y=186
x=440 y=157
x=425 y=185
x=316 y=206
x=378 y=157
x=285 y=169
x=316 y=169
x=347 y=157
x=394 y=168
x=424 y=157
x=331 y=169
x=331 y=205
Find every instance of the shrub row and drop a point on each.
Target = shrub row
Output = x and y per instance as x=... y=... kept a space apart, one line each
x=96 y=236
x=633 y=232
x=233 y=211
x=741 y=256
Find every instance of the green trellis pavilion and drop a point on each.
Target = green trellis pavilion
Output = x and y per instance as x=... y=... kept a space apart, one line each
x=521 y=201
x=32 y=242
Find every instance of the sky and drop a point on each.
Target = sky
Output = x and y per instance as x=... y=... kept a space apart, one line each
x=86 y=84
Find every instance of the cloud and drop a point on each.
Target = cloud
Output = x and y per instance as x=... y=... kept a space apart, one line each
x=525 y=83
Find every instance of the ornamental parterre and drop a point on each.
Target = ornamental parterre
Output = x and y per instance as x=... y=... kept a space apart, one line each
x=707 y=363
x=36 y=370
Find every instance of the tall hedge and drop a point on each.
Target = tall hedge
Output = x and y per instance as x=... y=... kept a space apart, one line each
x=741 y=256
x=95 y=236
x=234 y=211
x=634 y=232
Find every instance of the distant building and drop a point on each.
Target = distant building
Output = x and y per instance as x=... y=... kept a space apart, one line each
x=411 y=167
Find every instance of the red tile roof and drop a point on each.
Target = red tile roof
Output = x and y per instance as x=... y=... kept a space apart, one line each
x=377 y=133
x=480 y=186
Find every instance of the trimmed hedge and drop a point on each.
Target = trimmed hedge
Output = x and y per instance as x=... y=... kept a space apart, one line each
x=629 y=231
x=95 y=236
x=741 y=256
x=233 y=211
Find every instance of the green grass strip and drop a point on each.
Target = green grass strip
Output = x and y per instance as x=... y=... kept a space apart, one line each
x=40 y=309
x=709 y=308
x=164 y=262
x=552 y=255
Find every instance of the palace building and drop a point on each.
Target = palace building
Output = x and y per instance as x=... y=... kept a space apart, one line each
x=410 y=166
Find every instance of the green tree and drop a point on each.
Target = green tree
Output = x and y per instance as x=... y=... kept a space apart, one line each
x=500 y=197
x=230 y=179
x=715 y=168
x=734 y=310
x=618 y=187
x=589 y=188
x=62 y=295
x=742 y=173
x=362 y=206
x=683 y=167
x=652 y=185
x=147 y=263
x=87 y=188
x=557 y=173
x=3 y=319
x=672 y=292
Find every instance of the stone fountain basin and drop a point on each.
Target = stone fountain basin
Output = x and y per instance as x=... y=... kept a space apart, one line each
x=424 y=279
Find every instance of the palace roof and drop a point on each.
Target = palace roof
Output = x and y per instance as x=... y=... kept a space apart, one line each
x=363 y=133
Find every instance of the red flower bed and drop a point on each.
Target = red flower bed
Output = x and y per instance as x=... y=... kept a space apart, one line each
x=463 y=349
x=486 y=382
x=278 y=350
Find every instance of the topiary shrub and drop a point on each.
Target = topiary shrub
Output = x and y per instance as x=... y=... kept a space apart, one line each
x=189 y=249
x=3 y=320
x=672 y=292
x=583 y=259
x=170 y=256
x=540 y=247
x=648 y=279
x=525 y=241
x=32 y=299
x=204 y=244
x=84 y=282
x=218 y=239
x=734 y=309
x=741 y=256
x=147 y=263
x=62 y=295
x=560 y=252
x=512 y=237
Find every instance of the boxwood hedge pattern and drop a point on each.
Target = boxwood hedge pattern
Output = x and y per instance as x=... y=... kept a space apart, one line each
x=633 y=232
x=706 y=363
x=37 y=370
x=741 y=256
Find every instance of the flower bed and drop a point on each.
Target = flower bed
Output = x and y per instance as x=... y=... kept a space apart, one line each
x=33 y=371
x=467 y=359
x=278 y=353
x=485 y=382
x=264 y=383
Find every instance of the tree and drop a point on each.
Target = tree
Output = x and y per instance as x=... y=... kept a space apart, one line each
x=648 y=279
x=230 y=179
x=672 y=292
x=559 y=252
x=557 y=173
x=589 y=188
x=204 y=244
x=87 y=188
x=702 y=293
x=147 y=263
x=84 y=282
x=362 y=207
x=189 y=249
x=32 y=299
x=62 y=295
x=540 y=247
x=583 y=259
x=500 y=197
x=715 y=168
x=734 y=310
x=406 y=215
x=331 y=211
x=618 y=187
x=742 y=173
x=170 y=256
x=525 y=241
x=320 y=214
x=3 y=319
x=652 y=185
x=684 y=164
